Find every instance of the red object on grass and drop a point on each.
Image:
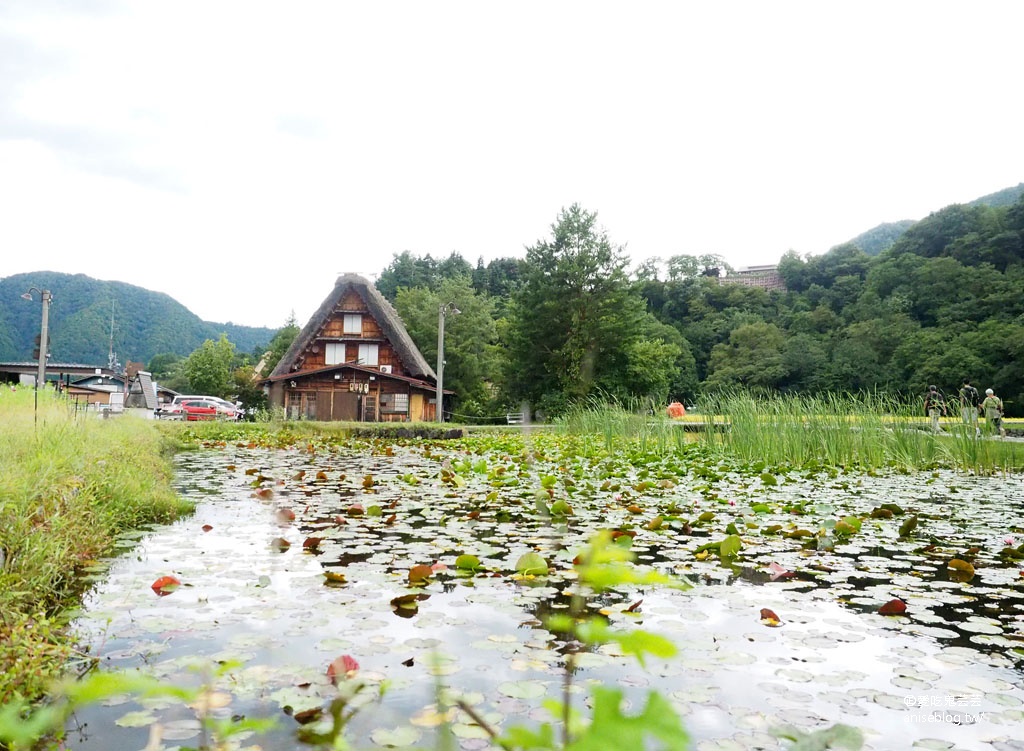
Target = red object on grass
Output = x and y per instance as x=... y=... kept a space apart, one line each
x=676 y=410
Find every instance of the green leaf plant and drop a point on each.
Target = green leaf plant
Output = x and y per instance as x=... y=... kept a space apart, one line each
x=603 y=565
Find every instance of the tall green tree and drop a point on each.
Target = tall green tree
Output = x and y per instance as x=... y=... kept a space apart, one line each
x=209 y=367
x=279 y=344
x=471 y=349
x=576 y=320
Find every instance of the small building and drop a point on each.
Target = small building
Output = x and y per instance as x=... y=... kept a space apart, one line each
x=354 y=360
x=766 y=277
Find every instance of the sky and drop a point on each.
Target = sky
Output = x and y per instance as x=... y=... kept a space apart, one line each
x=240 y=155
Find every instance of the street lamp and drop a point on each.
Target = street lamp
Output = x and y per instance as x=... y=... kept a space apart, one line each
x=442 y=313
x=47 y=298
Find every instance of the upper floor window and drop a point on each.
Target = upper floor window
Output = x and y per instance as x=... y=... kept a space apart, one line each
x=367 y=354
x=334 y=353
x=353 y=324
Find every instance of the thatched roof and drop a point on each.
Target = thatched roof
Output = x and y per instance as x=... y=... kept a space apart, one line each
x=382 y=311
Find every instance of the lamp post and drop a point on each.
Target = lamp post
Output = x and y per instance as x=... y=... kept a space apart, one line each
x=47 y=298
x=443 y=312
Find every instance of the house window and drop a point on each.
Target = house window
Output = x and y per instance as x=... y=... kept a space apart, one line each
x=398 y=403
x=367 y=354
x=334 y=353
x=353 y=324
x=301 y=405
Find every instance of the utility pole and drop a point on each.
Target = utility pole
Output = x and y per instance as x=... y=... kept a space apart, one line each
x=443 y=312
x=44 y=344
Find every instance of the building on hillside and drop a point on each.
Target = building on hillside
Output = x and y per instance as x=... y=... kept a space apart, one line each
x=354 y=360
x=766 y=277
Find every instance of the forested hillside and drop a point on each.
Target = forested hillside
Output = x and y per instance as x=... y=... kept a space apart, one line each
x=938 y=300
x=945 y=301
x=145 y=323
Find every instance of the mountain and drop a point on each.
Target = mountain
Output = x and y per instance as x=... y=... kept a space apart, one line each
x=880 y=238
x=86 y=311
x=1004 y=197
x=875 y=240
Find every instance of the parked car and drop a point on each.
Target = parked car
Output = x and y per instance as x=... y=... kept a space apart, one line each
x=169 y=411
x=199 y=409
x=225 y=410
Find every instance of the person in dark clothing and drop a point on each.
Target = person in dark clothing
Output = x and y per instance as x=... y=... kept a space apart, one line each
x=969 y=402
x=934 y=406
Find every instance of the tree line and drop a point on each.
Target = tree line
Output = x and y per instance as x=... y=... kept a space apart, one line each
x=573 y=321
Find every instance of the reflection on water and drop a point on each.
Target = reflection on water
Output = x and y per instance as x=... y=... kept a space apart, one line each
x=834 y=659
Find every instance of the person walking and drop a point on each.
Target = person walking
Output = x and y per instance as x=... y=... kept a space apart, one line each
x=969 y=401
x=934 y=406
x=993 y=407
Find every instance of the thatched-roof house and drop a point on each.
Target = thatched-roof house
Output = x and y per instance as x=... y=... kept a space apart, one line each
x=354 y=360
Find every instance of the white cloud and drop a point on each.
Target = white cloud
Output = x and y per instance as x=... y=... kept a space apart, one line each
x=279 y=145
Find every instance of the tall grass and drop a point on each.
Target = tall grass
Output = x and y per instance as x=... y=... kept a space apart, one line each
x=869 y=431
x=613 y=423
x=68 y=487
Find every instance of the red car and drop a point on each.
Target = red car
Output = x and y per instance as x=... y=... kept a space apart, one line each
x=198 y=409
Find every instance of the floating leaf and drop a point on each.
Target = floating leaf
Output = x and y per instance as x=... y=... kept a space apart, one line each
x=779 y=572
x=908 y=526
x=730 y=547
x=407 y=606
x=893 y=607
x=165 y=585
x=312 y=544
x=561 y=508
x=285 y=515
x=280 y=544
x=420 y=574
x=532 y=563
x=335 y=578
x=961 y=571
x=207 y=527
x=399 y=737
x=769 y=618
x=467 y=562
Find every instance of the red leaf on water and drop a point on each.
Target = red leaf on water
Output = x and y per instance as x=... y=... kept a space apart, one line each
x=165 y=585
x=312 y=543
x=280 y=544
x=893 y=607
x=343 y=667
x=207 y=527
x=420 y=574
x=769 y=618
x=779 y=572
x=285 y=515
x=634 y=607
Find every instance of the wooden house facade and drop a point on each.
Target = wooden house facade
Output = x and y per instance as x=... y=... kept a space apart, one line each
x=354 y=361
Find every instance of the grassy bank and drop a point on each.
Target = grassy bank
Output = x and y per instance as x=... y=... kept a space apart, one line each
x=68 y=488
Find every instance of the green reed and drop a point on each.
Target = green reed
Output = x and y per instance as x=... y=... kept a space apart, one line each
x=868 y=431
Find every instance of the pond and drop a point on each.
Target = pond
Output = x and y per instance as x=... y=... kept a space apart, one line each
x=296 y=557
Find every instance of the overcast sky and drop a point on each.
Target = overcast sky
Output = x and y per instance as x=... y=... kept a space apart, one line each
x=239 y=156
